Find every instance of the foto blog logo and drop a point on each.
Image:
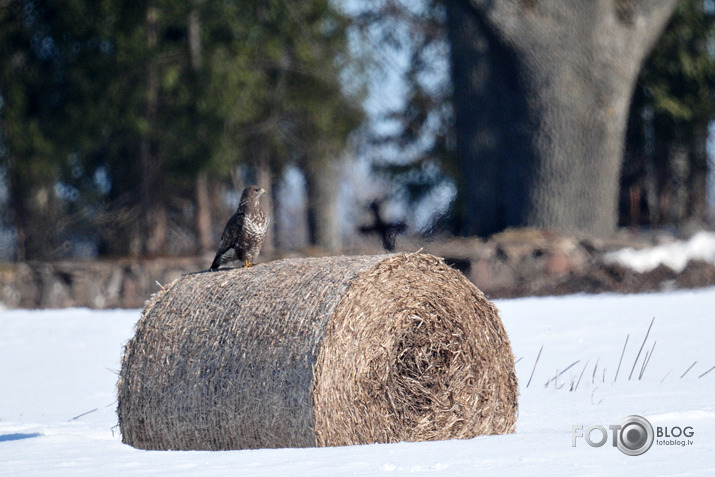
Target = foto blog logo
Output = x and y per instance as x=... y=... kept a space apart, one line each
x=633 y=436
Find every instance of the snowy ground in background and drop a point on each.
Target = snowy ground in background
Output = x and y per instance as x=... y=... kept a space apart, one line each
x=56 y=365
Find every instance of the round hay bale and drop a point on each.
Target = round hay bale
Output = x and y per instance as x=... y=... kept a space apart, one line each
x=317 y=352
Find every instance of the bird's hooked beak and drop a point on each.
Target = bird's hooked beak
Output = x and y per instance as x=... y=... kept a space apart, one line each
x=261 y=192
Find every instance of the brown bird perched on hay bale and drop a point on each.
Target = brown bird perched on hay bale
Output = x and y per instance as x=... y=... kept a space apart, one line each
x=244 y=233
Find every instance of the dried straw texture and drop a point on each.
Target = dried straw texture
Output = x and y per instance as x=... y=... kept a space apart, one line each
x=326 y=351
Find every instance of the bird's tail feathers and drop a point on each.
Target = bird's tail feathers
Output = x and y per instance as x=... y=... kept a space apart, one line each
x=216 y=263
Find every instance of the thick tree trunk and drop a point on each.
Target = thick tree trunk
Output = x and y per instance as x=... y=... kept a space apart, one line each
x=493 y=125
x=634 y=176
x=321 y=178
x=542 y=91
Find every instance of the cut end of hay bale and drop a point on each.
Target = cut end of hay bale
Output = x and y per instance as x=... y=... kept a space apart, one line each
x=413 y=352
x=324 y=351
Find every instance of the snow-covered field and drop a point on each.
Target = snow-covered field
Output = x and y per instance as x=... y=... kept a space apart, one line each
x=58 y=372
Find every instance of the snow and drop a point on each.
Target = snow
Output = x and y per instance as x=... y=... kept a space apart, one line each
x=675 y=255
x=58 y=373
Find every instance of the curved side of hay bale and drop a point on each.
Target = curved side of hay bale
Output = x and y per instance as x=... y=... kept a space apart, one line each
x=305 y=352
x=224 y=360
x=413 y=352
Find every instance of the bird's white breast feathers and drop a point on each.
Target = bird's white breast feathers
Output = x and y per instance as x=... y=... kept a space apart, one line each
x=257 y=228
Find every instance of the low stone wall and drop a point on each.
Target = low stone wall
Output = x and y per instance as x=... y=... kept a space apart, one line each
x=123 y=283
x=512 y=264
x=527 y=262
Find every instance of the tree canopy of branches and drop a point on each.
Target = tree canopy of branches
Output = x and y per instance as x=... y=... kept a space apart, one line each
x=664 y=180
x=116 y=117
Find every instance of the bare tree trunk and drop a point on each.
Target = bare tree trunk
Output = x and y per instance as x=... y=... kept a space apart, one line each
x=679 y=170
x=158 y=226
x=203 y=203
x=552 y=81
x=697 y=184
x=265 y=180
x=661 y=173
x=493 y=125
x=153 y=210
x=34 y=213
x=194 y=33
x=633 y=181
x=276 y=229
x=203 y=213
x=18 y=208
x=321 y=177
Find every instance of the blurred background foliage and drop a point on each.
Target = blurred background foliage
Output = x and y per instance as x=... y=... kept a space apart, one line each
x=127 y=128
x=124 y=121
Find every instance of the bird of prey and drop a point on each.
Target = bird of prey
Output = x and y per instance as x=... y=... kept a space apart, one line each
x=243 y=235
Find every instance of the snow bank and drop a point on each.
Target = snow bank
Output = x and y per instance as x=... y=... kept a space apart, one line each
x=676 y=255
